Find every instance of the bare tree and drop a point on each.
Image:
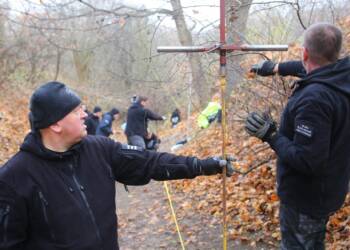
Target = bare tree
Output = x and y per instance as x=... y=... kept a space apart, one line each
x=185 y=38
x=237 y=13
x=110 y=46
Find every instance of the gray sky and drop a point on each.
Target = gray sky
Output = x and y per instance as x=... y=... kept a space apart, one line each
x=201 y=11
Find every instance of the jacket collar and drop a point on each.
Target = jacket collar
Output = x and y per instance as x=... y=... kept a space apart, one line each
x=33 y=144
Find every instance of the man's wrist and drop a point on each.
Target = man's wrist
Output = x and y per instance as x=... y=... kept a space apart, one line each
x=209 y=166
x=272 y=138
x=275 y=69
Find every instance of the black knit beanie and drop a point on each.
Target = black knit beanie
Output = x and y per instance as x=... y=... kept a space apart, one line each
x=114 y=111
x=50 y=103
x=97 y=109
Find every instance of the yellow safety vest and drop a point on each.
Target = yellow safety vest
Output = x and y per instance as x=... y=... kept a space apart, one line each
x=210 y=111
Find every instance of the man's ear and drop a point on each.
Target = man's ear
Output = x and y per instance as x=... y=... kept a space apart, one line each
x=56 y=127
x=305 y=54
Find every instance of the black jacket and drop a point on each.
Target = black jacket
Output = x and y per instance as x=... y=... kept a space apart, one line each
x=104 y=128
x=313 y=168
x=137 y=120
x=91 y=123
x=52 y=200
x=291 y=68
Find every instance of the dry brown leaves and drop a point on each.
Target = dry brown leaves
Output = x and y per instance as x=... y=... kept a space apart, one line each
x=13 y=122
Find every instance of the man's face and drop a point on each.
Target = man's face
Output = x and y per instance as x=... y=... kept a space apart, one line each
x=144 y=103
x=84 y=107
x=99 y=114
x=72 y=125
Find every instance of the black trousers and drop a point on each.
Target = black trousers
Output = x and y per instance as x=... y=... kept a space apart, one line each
x=300 y=231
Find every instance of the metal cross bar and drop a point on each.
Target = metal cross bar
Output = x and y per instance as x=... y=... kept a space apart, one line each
x=215 y=48
x=222 y=48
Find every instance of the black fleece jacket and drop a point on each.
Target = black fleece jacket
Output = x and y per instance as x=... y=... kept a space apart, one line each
x=91 y=123
x=313 y=142
x=51 y=200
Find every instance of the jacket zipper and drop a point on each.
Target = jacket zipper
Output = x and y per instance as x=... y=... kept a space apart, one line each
x=92 y=217
x=5 y=221
x=44 y=205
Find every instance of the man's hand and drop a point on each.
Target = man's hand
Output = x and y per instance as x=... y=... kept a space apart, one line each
x=164 y=117
x=215 y=165
x=261 y=126
x=264 y=68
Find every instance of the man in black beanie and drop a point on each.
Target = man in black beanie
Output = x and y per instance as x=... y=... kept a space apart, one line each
x=93 y=120
x=50 y=103
x=58 y=191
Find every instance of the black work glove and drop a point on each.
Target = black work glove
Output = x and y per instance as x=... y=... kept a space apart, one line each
x=264 y=68
x=261 y=126
x=215 y=165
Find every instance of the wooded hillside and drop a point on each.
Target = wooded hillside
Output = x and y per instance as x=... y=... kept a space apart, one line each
x=107 y=53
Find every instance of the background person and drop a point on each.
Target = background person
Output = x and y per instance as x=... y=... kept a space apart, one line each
x=92 y=120
x=137 y=121
x=104 y=128
x=175 y=117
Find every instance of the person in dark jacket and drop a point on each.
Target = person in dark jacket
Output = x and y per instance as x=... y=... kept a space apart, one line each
x=104 y=128
x=152 y=141
x=175 y=117
x=92 y=120
x=312 y=143
x=58 y=191
x=137 y=121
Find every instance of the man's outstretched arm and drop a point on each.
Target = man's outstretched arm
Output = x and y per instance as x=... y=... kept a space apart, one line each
x=288 y=68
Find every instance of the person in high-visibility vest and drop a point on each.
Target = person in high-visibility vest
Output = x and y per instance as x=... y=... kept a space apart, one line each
x=210 y=113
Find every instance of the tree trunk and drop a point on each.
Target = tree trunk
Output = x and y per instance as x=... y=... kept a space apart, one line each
x=185 y=38
x=236 y=19
x=82 y=60
x=58 y=64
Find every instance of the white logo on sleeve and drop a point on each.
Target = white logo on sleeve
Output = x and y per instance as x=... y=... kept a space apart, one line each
x=304 y=130
x=128 y=147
